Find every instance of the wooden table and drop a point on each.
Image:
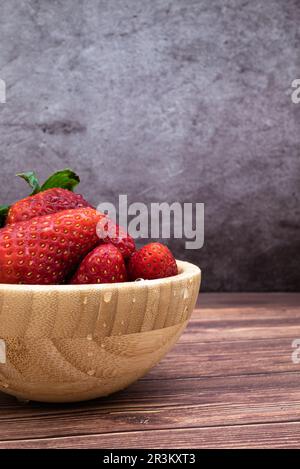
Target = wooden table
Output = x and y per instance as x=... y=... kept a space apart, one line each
x=229 y=382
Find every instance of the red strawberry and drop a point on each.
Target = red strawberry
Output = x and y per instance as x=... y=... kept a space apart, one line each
x=44 y=203
x=105 y=264
x=44 y=250
x=111 y=233
x=152 y=261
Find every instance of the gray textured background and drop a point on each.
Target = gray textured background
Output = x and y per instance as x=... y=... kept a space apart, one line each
x=177 y=100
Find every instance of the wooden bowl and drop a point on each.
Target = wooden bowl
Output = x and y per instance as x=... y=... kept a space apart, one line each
x=71 y=343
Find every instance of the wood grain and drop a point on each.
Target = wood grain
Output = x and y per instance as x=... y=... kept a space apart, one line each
x=229 y=382
x=72 y=343
x=265 y=436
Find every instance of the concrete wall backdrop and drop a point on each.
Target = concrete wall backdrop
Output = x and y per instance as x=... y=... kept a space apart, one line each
x=165 y=100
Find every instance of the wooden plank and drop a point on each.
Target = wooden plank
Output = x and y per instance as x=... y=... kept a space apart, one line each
x=226 y=359
x=244 y=316
x=157 y=405
x=285 y=435
x=207 y=330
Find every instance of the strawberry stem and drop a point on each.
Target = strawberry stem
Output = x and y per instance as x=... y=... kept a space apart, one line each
x=31 y=178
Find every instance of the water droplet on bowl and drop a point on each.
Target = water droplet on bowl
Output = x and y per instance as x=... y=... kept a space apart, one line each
x=91 y=372
x=107 y=296
x=133 y=300
x=104 y=325
x=185 y=293
x=85 y=300
x=90 y=337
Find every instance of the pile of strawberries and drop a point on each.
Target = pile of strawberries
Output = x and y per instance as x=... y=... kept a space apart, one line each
x=55 y=236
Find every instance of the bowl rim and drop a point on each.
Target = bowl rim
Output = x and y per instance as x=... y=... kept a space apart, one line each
x=187 y=271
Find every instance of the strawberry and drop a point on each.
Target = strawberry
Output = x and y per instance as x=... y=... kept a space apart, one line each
x=55 y=195
x=152 y=261
x=44 y=203
x=44 y=250
x=105 y=264
x=109 y=232
x=57 y=199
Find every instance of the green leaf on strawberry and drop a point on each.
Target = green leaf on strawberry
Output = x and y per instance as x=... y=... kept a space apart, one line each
x=65 y=179
x=3 y=214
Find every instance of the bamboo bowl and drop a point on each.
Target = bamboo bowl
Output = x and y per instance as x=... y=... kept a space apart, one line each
x=71 y=343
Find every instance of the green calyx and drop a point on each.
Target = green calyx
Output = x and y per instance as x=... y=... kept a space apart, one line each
x=3 y=214
x=31 y=178
x=64 y=179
